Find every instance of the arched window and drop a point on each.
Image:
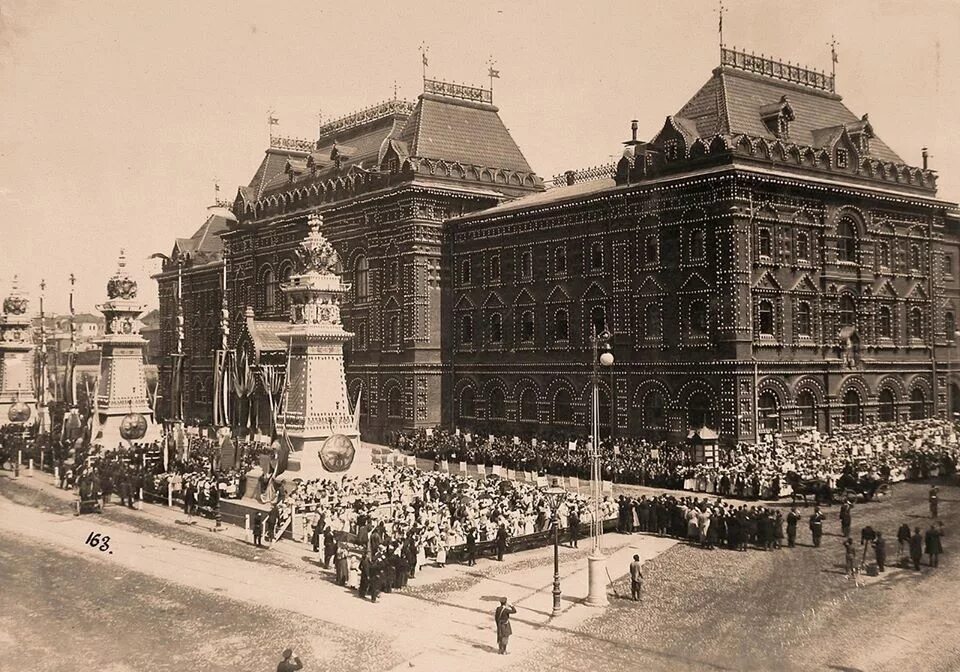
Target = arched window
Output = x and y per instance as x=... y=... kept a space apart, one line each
x=528 y=406
x=466 y=329
x=883 y=254
x=560 y=260
x=466 y=403
x=765 y=242
x=888 y=406
x=847 y=243
x=394 y=407
x=765 y=317
x=526 y=265
x=393 y=274
x=495 y=404
x=948 y=265
x=699 y=411
x=848 y=313
x=653 y=410
x=769 y=414
x=561 y=325
x=652 y=324
x=562 y=411
x=885 y=322
x=697 y=250
x=803 y=246
x=361 y=279
x=915 y=257
x=285 y=272
x=851 y=408
x=360 y=337
x=651 y=249
x=465 y=271
x=526 y=326
x=807 y=405
x=698 y=318
x=950 y=325
x=496 y=328
x=596 y=256
x=918 y=404
x=916 y=323
x=598 y=318
x=495 y=268
x=269 y=282
x=803 y=320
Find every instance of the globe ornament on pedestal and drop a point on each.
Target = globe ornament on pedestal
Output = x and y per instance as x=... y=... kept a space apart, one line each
x=133 y=426
x=19 y=412
x=337 y=453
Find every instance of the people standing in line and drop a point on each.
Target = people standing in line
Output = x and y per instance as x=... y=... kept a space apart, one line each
x=816 y=526
x=916 y=548
x=934 y=546
x=792 y=519
x=258 y=530
x=636 y=578
x=880 y=550
x=903 y=541
x=504 y=629
x=934 y=501
x=290 y=662
x=849 y=556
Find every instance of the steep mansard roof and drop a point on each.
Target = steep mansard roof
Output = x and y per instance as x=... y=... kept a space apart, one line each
x=733 y=101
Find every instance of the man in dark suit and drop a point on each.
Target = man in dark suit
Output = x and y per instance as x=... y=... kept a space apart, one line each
x=502 y=618
x=471 y=547
x=501 y=541
x=257 y=529
x=792 y=519
x=573 y=522
x=816 y=526
x=636 y=578
x=290 y=662
x=916 y=548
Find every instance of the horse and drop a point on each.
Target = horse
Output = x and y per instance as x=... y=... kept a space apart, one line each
x=817 y=487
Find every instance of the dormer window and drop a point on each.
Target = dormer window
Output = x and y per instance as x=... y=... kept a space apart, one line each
x=842 y=157
x=671 y=149
x=777 y=117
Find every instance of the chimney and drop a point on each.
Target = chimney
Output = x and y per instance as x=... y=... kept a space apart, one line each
x=633 y=130
x=571 y=177
x=925 y=156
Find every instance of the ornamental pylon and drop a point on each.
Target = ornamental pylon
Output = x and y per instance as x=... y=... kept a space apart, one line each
x=122 y=413
x=316 y=414
x=18 y=397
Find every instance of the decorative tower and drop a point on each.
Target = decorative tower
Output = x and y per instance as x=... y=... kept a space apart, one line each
x=123 y=413
x=18 y=398
x=324 y=434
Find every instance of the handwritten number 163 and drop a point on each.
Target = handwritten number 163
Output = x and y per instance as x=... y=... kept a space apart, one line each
x=95 y=540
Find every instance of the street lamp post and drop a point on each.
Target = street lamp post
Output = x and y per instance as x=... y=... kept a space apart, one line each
x=555 y=496
x=597 y=562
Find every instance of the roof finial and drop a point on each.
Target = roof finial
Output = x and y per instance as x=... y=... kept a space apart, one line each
x=494 y=74
x=833 y=55
x=720 y=11
x=424 y=50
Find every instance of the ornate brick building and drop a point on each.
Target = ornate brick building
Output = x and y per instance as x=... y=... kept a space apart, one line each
x=384 y=180
x=764 y=263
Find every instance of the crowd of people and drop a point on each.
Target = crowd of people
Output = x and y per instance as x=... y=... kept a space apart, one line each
x=746 y=470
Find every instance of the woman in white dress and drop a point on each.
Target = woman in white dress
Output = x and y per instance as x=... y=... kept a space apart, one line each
x=441 y=553
x=353 y=573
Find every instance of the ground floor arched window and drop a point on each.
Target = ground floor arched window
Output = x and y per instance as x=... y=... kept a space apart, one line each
x=852 y=409
x=888 y=406
x=769 y=412
x=918 y=404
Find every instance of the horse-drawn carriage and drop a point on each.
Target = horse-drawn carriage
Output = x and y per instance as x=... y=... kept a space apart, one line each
x=849 y=486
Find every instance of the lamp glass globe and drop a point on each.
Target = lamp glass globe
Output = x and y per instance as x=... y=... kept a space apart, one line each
x=606 y=359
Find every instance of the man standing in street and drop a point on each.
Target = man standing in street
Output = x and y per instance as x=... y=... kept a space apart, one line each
x=792 y=519
x=849 y=556
x=933 y=544
x=916 y=548
x=290 y=662
x=816 y=526
x=880 y=551
x=934 y=501
x=257 y=529
x=846 y=518
x=501 y=541
x=573 y=522
x=315 y=529
x=504 y=630
x=636 y=578
x=329 y=547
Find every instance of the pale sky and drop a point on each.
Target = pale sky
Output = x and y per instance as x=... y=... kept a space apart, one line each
x=116 y=117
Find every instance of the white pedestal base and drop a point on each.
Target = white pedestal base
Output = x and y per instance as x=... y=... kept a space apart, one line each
x=597 y=578
x=305 y=462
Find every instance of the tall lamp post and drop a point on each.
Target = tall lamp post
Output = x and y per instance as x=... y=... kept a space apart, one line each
x=555 y=496
x=597 y=562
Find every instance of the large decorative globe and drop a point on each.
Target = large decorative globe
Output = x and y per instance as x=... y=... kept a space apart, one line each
x=337 y=453
x=19 y=412
x=133 y=426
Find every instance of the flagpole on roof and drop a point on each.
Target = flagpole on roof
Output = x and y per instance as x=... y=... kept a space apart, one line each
x=833 y=57
x=720 y=11
x=424 y=50
x=493 y=74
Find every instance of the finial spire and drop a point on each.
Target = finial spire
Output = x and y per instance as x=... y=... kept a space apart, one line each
x=720 y=12
x=424 y=51
x=492 y=73
x=833 y=55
